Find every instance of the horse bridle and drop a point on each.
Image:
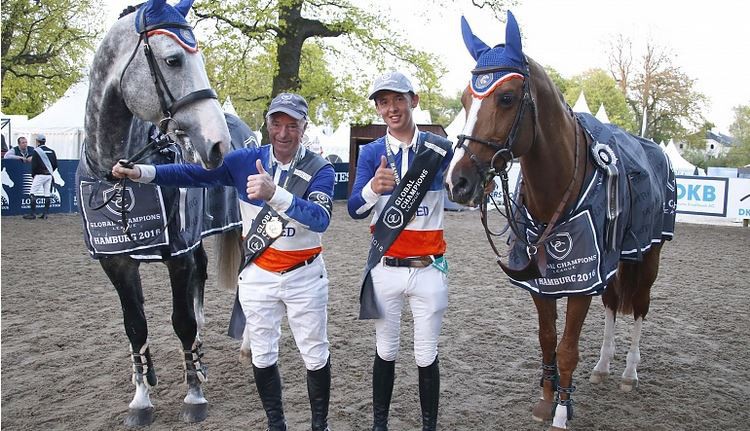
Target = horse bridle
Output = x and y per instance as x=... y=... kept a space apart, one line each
x=504 y=150
x=168 y=103
x=488 y=170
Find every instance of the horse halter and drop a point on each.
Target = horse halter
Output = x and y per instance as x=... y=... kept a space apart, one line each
x=169 y=104
x=503 y=151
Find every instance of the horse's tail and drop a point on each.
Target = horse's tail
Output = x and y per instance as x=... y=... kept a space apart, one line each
x=229 y=258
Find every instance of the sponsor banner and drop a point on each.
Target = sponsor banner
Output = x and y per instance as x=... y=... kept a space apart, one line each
x=341 y=182
x=16 y=183
x=738 y=205
x=702 y=195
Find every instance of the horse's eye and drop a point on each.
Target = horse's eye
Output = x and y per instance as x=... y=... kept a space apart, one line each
x=173 y=61
x=506 y=99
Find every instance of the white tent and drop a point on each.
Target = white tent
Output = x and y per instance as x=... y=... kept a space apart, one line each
x=456 y=126
x=61 y=123
x=679 y=164
x=228 y=107
x=421 y=116
x=601 y=114
x=581 y=104
x=337 y=143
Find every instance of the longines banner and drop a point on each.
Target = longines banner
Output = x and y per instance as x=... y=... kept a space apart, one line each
x=16 y=177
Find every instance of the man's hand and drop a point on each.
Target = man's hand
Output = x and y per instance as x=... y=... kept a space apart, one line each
x=385 y=179
x=26 y=160
x=121 y=171
x=261 y=185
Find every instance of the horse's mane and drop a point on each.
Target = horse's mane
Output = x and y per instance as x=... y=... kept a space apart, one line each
x=130 y=9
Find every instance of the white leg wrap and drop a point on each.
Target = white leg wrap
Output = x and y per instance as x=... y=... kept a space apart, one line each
x=561 y=417
x=634 y=354
x=608 y=344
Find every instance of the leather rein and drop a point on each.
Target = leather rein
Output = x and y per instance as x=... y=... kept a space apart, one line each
x=536 y=266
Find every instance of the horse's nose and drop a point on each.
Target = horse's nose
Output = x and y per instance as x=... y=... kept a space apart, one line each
x=216 y=154
x=462 y=190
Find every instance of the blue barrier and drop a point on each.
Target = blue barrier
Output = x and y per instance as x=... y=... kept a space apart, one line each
x=16 y=177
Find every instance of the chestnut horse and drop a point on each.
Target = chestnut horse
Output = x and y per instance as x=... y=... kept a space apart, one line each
x=592 y=212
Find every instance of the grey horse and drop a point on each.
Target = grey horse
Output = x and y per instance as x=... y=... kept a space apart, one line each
x=148 y=69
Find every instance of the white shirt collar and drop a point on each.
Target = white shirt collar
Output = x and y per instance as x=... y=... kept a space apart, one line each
x=286 y=166
x=397 y=145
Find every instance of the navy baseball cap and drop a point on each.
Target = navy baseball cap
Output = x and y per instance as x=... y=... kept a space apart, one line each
x=290 y=104
x=392 y=81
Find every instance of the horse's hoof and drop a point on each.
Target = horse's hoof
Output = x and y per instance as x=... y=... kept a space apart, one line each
x=554 y=428
x=543 y=410
x=627 y=385
x=139 y=417
x=192 y=413
x=598 y=377
x=246 y=357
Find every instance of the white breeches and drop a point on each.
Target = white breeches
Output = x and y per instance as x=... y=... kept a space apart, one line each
x=427 y=292
x=41 y=185
x=303 y=295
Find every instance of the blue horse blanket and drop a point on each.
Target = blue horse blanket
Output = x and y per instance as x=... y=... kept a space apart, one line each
x=164 y=221
x=627 y=205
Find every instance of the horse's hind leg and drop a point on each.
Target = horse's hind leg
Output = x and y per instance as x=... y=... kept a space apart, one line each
x=644 y=275
x=610 y=299
x=123 y=273
x=188 y=276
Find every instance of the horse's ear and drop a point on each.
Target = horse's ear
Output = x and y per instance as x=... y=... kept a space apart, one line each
x=475 y=46
x=513 y=40
x=155 y=4
x=184 y=6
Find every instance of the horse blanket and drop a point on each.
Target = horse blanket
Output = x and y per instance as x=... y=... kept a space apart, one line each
x=163 y=222
x=628 y=204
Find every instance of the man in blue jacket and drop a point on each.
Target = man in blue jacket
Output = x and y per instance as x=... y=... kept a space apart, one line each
x=286 y=196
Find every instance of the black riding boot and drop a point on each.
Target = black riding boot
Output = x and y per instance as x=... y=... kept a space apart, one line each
x=383 y=375
x=46 y=207
x=319 y=391
x=268 y=382
x=429 y=395
x=33 y=209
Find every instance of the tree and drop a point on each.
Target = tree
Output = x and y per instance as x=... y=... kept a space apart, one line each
x=44 y=47
x=601 y=89
x=739 y=154
x=657 y=87
x=327 y=51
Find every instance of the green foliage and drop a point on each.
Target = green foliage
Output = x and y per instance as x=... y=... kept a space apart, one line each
x=45 y=45
x=327 y=51
x=600 y=89
x=739 y=154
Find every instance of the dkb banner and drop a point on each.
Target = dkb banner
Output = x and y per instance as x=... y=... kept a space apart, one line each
x=16 y=177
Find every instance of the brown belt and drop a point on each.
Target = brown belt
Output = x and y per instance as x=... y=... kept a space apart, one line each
x=301 y=264
x=410 y=262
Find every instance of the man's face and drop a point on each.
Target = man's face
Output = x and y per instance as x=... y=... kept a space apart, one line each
x=395 y=109
x=286 y=134
x=22 y=143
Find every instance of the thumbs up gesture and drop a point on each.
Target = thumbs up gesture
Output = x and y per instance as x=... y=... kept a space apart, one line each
x=385 y=179
x=260 y=185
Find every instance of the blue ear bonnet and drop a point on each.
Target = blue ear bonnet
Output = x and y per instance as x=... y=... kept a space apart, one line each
x=485 y=76
x=162 y=18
